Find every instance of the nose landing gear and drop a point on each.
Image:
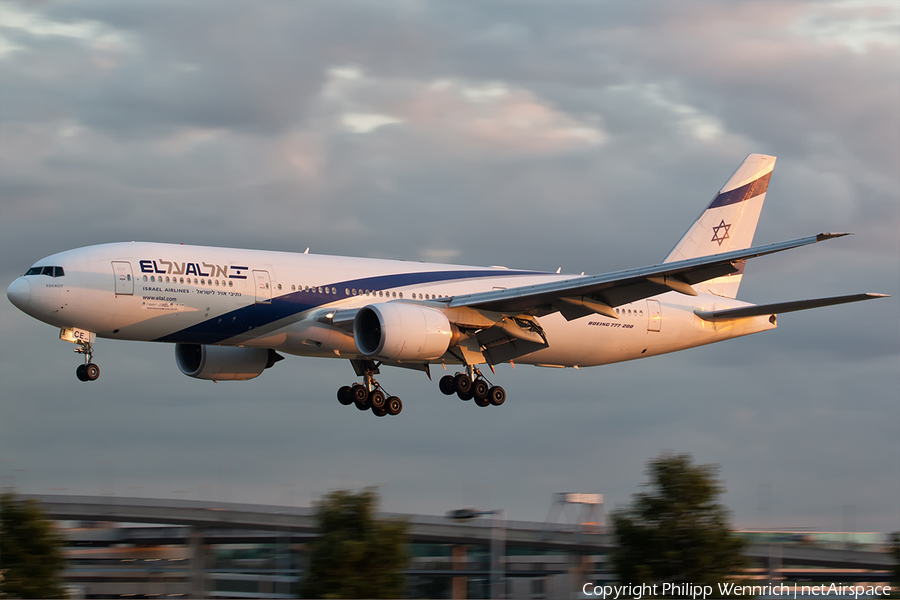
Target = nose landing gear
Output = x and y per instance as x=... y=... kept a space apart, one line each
x=472 y=384
x=88 y=371
x=84 y=344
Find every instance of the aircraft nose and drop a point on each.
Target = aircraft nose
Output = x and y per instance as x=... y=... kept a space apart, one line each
x=19 y=293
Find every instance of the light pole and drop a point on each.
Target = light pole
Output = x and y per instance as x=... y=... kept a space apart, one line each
x=498 y=542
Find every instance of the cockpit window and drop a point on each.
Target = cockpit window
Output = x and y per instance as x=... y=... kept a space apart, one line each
x=51 y=271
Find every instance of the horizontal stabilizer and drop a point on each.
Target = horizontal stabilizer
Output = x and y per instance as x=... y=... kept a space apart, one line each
x=780 y=307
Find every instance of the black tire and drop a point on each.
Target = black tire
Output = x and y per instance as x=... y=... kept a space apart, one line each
x=462 y=396
x=394 y=406
x=377 y=399
x=361 y=397
x=80 y=373
x=497 y=396
x=360 y=393
x=481 y=389
x=482 y=402
x=447 y=385
x=380 y=412
x=345 y=395
x=463 y=383
x=91 y=371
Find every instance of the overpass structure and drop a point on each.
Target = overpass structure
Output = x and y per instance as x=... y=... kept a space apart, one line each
x=143 y=547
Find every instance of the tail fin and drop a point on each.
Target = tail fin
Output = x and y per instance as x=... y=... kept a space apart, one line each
x=729 y=222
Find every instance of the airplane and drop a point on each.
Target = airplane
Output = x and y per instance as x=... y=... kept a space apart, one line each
x=231 y=313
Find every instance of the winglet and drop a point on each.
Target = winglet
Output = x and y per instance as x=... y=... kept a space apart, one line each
x=827 y=236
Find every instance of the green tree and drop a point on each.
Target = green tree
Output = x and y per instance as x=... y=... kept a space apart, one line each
x=31 y=561
x=356 y=555
x=677 y=531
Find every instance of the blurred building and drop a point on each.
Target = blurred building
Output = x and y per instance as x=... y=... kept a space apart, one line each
x=150 y=548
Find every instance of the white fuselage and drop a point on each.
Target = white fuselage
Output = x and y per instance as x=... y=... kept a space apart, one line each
x=232 y=297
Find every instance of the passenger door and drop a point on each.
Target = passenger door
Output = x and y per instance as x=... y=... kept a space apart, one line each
x=263 y=287
x=654 y=315
x=124 y=280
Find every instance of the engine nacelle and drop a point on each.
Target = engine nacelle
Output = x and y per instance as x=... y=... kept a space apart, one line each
x=223 y=363
x=396 y=331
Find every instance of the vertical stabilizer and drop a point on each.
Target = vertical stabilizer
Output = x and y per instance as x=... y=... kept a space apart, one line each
x=729 y=222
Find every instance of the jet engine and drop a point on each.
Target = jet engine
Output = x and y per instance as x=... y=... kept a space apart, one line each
x=224 y=363
x=396 y=331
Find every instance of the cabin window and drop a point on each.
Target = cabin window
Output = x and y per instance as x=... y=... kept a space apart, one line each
x=230 y=283
x=401 y=294
x=145 y=278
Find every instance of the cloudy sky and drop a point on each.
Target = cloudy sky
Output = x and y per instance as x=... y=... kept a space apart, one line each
x=580 y=135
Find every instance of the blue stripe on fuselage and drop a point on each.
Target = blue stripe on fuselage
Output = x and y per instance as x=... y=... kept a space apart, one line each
x=247 y=318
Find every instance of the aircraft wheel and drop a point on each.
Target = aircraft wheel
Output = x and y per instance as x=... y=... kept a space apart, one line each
x=360 y=397
x=480 y=389
x=394 y=406
x=380 y=412
x=497 y=396
x=463 y=383
x=463 y=396
x=80 y=373
x=377 y=399
x=482 y=402
x=345 y=395
x=360 y=393
x=447 y=385
x=91 y=371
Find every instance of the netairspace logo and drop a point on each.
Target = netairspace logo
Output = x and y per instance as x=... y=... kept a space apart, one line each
x=689 y=590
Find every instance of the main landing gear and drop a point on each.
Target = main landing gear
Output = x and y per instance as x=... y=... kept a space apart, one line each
x=88 y=371
x=370 y=395
x=472 y=384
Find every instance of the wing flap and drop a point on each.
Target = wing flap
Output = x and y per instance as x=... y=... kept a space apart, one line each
x=781 y=307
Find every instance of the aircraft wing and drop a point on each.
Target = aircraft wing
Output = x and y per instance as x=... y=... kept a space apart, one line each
x=581 y=296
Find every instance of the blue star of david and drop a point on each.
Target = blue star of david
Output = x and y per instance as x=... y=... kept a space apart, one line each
x=724 y=235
